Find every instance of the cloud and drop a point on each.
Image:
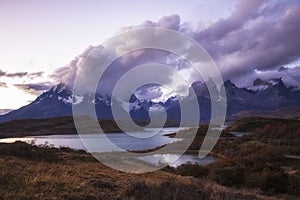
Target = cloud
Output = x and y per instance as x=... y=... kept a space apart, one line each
x=3 y=85
x=262 y=40
x=289 y=76
x=21 y=74
x=18 y=74
x=67 y=74
x=148 y=92
x=169 y=22
x=244 y=11
x=2 y=73
x=87 y=64
x=282 y=69
x=12 y=75
x=34 y=88
x=258 y=36
x=36 y=75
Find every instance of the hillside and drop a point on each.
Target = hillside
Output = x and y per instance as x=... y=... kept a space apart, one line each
x=249 y=124
x=48 y=173
x=283 y=113
x=267 y=158
x=53 y=126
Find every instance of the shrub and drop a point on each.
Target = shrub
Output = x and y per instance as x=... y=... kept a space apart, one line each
x=192 y=170
x=228 y=175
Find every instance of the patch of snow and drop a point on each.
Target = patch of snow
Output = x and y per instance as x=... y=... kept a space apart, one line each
x=54 y=88
x=134 y=106
x=61 y=89
x=259 y=88
x=38 y=100
x=77 y=99
x=157 y=108
x=273 y=82
x=68 y=100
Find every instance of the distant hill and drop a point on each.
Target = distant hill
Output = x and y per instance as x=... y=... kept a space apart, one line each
x=284 y=113
x=53 y=126
x=273 y=131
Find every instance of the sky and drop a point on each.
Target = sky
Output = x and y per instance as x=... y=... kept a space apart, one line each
x=42 y=41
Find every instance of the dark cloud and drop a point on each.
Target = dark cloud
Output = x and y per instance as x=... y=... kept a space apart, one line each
x=148 y=92
x=3 y=85
x=68 y=73
x=35 y=75
x=258 y=39
x=12 y=75
x=263 y=40
x=21 y=74
x=289 y=76
x=18 y=74
x=35 y=88
x=282 y=69
x=244 y=11
x=2 y=73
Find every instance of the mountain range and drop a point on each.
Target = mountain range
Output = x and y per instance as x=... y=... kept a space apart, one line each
x=262 y=96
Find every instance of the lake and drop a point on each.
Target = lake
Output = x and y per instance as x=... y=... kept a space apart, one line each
x=239 y=134
x=173 y=161
x=97 y=143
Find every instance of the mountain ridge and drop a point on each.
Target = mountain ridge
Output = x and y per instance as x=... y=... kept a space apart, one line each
x=262 y=96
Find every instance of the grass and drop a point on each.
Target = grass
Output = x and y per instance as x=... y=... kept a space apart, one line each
x=53 y=126
x=250 y=166
x=254 y=161
x=76 y=175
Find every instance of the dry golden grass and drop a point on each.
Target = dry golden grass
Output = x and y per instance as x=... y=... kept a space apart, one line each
x=76 y=175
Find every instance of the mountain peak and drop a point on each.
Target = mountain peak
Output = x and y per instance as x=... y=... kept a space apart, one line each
x=276 y=81
x=229 y=83
x=60 y=88
x=259 y=81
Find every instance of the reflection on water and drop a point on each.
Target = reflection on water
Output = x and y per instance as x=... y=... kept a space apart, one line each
x=175 y=160
x=239 y=134
x=97 y=143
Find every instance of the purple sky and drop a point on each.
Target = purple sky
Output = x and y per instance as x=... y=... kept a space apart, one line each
x=246 y=39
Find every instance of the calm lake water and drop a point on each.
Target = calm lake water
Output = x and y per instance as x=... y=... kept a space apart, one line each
x=173 y=161
x=97 y=143
x=239 y=134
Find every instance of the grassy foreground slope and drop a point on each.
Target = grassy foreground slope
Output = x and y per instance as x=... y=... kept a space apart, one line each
x=267 y=158
x=30 y=172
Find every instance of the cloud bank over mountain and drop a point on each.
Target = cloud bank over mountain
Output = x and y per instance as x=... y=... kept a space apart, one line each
x=259 y=39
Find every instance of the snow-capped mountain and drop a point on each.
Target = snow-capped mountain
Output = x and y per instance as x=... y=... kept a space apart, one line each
x=53 y=103
x=58 y=101
x=263 y=95
x=275 y=93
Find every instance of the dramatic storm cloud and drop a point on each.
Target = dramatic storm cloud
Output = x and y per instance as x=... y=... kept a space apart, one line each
x=259 y=39
x=265 y=39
